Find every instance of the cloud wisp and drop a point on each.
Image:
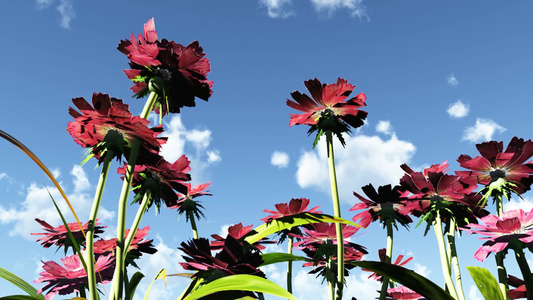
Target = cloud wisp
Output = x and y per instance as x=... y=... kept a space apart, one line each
x=65 y=8
x=482 y=131
x=282 y=9
x=452 y=80
x=458 y=109
x=278 y=8
x=280 y=159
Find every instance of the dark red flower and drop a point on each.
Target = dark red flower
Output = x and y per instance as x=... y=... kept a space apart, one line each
x=162 y=179
x=175 y=72
x=382 y=257
x=501 y=171
x=110 y=126
x=237 y=231
x=384 y=204
x=519 y=291
x=325 y=252
x=139 y=245
x=295 y=206
x=235 y=258
x=327 y=109
x=72 y=277
x=186 y=202
x=324 y=232
x=59 y=235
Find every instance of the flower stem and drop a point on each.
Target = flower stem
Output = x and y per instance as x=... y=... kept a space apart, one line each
x=337 y=213
x=444 y=259
x=289 y=265
x=137 y=221
x=118 y=276
x=388 y=259
x=452 y=251
x=193 y=224
x=526 y=271
x=331 y=279
x=91 y=274
x=502 y=272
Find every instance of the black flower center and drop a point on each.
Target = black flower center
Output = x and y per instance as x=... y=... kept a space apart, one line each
x=497 y=174
x=328 y=112
x=163 y=73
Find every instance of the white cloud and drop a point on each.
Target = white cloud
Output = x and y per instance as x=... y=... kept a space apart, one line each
x=422 y=270
x=356 y=7
x=279 y=159
x=3 y=175
x=66 y=9
x=458 y=109
x=278 y=8
x=364 y=160
x=44 y=3
x=384 y=127
x=38 y=204
x=482 y=131
x=452 y=80
x=224 y=230
x=473 y=293
x=56 y=173
x=517 y=203
x=195 y=144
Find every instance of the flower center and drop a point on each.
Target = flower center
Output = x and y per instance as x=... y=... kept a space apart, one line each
x=163 y=73
x=497 y=174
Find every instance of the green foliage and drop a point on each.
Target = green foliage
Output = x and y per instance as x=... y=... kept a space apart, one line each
x=288 y=222
x=486 y=283
x=240 y=282
x=406 y=277
x=274 y=258
x=23 y=285
x=20 y=297
x=131 y=286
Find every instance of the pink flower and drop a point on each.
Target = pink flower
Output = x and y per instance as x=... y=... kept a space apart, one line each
x=295 y=206
x=322 y=233
x=382 y=258
x=402 y=293
x=499 y=232
x=59 y=235
x=186 y=202
x=237 y=231
x=70 y=278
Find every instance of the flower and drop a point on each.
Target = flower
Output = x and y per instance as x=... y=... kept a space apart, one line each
x=519 y=290
x=175 y=72
x=162 y=179
x=324 y=252
x=235 y=258
x=382 y=257
x=186 y=202
x=138 y=246
x=324 y=232
x=328 y=110
x=514 y=226
x=237 y=231
x=71 y=278
x=383 y=205
x=502 y=172
x=294 y=207
x=403 y=293
x=59 y=235
x=110 y=126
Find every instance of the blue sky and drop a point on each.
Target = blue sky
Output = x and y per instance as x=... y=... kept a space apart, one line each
x=439 y=77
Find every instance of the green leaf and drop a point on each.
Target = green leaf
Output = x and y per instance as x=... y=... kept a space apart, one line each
x=409 y=278
x=132 y=285
x=273 y=258
x=240 y=282
x=288 y=222
x=19 y=282
x=20 y=297
x=486 y=283
x=163 y=275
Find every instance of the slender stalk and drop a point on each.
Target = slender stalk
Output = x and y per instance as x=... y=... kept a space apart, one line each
x=526 y=271
x=118 y=276
x=289 y=265
x=91 y=273
x=444 y=259
x=500 y=256
x=388 y=259
x=331 y=280
x=337 y=213
x=193 y=224
x=452 y=251
x=137 y=221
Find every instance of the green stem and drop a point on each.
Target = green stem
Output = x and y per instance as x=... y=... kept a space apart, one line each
x=193 y=224
x=388 y=259
x=444 y=259
x=118 y=276
x=91 y=273
x=526 y=271
x=337 y=213
x=331 y=279
x=137 y=221
x=289 y=266
x=502 y=272
x=452 y=251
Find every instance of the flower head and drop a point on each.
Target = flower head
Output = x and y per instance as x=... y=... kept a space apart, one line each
x=327 y=110
x=519 y=290
x=110 y=126
x=187 y=203
x=384 y=205
x=502 y=172
x=382 y=257
x=161 y=179
x=175 y=72
x=324 y=233
x=513 y=229
x=59 y=235
x=403 y=293
x=71 y=277
x=237 y=231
